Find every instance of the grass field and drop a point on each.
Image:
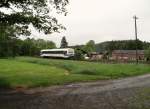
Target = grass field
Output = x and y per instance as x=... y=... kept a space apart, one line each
x=34 y=72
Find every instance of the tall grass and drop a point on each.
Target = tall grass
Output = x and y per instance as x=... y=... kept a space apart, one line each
x=35 y=72
x=91 y=68
x=15 y=74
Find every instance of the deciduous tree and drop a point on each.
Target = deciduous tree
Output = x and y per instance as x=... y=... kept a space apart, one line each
x=90 y=46
x=22 y=13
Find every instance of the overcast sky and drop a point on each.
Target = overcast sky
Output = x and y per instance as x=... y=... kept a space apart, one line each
x=102 y=20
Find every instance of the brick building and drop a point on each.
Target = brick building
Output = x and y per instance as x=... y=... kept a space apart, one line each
x=127 y=55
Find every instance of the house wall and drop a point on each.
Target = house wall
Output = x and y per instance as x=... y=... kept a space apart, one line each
x=127 y=56
x=96 y=57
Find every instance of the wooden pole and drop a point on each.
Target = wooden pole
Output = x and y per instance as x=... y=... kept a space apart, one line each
x=136 y=39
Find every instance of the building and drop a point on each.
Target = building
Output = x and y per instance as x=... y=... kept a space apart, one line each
x=127 y=55
x=96 y=56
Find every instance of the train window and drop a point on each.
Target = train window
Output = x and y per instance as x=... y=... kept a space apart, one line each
x=54 y=52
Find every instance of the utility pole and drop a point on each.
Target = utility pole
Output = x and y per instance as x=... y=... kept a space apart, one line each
x=136 y=39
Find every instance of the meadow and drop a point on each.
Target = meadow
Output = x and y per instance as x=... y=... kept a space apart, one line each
x=30 y=72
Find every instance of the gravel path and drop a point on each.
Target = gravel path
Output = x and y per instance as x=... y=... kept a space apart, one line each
x=128 y=93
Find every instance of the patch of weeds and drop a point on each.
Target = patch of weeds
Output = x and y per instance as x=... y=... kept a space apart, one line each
x=88 y=72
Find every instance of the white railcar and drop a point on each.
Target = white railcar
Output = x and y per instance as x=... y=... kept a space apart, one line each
x=58 y=53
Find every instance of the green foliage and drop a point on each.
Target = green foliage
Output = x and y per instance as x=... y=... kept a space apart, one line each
x=121 y=45
x=21 y=14
x=42 y=44
x=89 y=47
x=32 y=47
x=8 y=41
x=35 y=12
x=81 y=50
x=78 y=54
x=10 y=47
x=64 y=43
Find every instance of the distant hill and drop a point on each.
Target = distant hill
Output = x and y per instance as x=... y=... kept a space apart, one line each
x=121 y=45
x=118 y=45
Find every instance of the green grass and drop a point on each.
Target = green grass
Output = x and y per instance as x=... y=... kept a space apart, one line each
x=35 y=72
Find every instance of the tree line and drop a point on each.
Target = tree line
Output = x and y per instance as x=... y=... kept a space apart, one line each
x=122 y=45
x=11 y=47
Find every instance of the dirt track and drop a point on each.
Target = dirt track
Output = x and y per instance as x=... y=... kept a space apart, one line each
x=129 y=93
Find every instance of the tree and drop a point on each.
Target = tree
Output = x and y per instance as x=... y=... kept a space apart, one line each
x=121 y=45
x=64 y=43
x=79 y=55
x=7 y=41
x=32 y=47
x=42 y=44
x=22 y=13
x=90 y=46
x=27 y=47
x=16 y=16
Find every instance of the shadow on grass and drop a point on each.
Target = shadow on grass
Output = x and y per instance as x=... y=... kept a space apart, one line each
x=88 y=72
x=4 y=84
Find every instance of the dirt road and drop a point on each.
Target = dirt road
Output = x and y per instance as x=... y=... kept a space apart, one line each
x=129 y=93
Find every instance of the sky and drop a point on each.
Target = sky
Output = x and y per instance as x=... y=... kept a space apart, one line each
x=102 y=20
